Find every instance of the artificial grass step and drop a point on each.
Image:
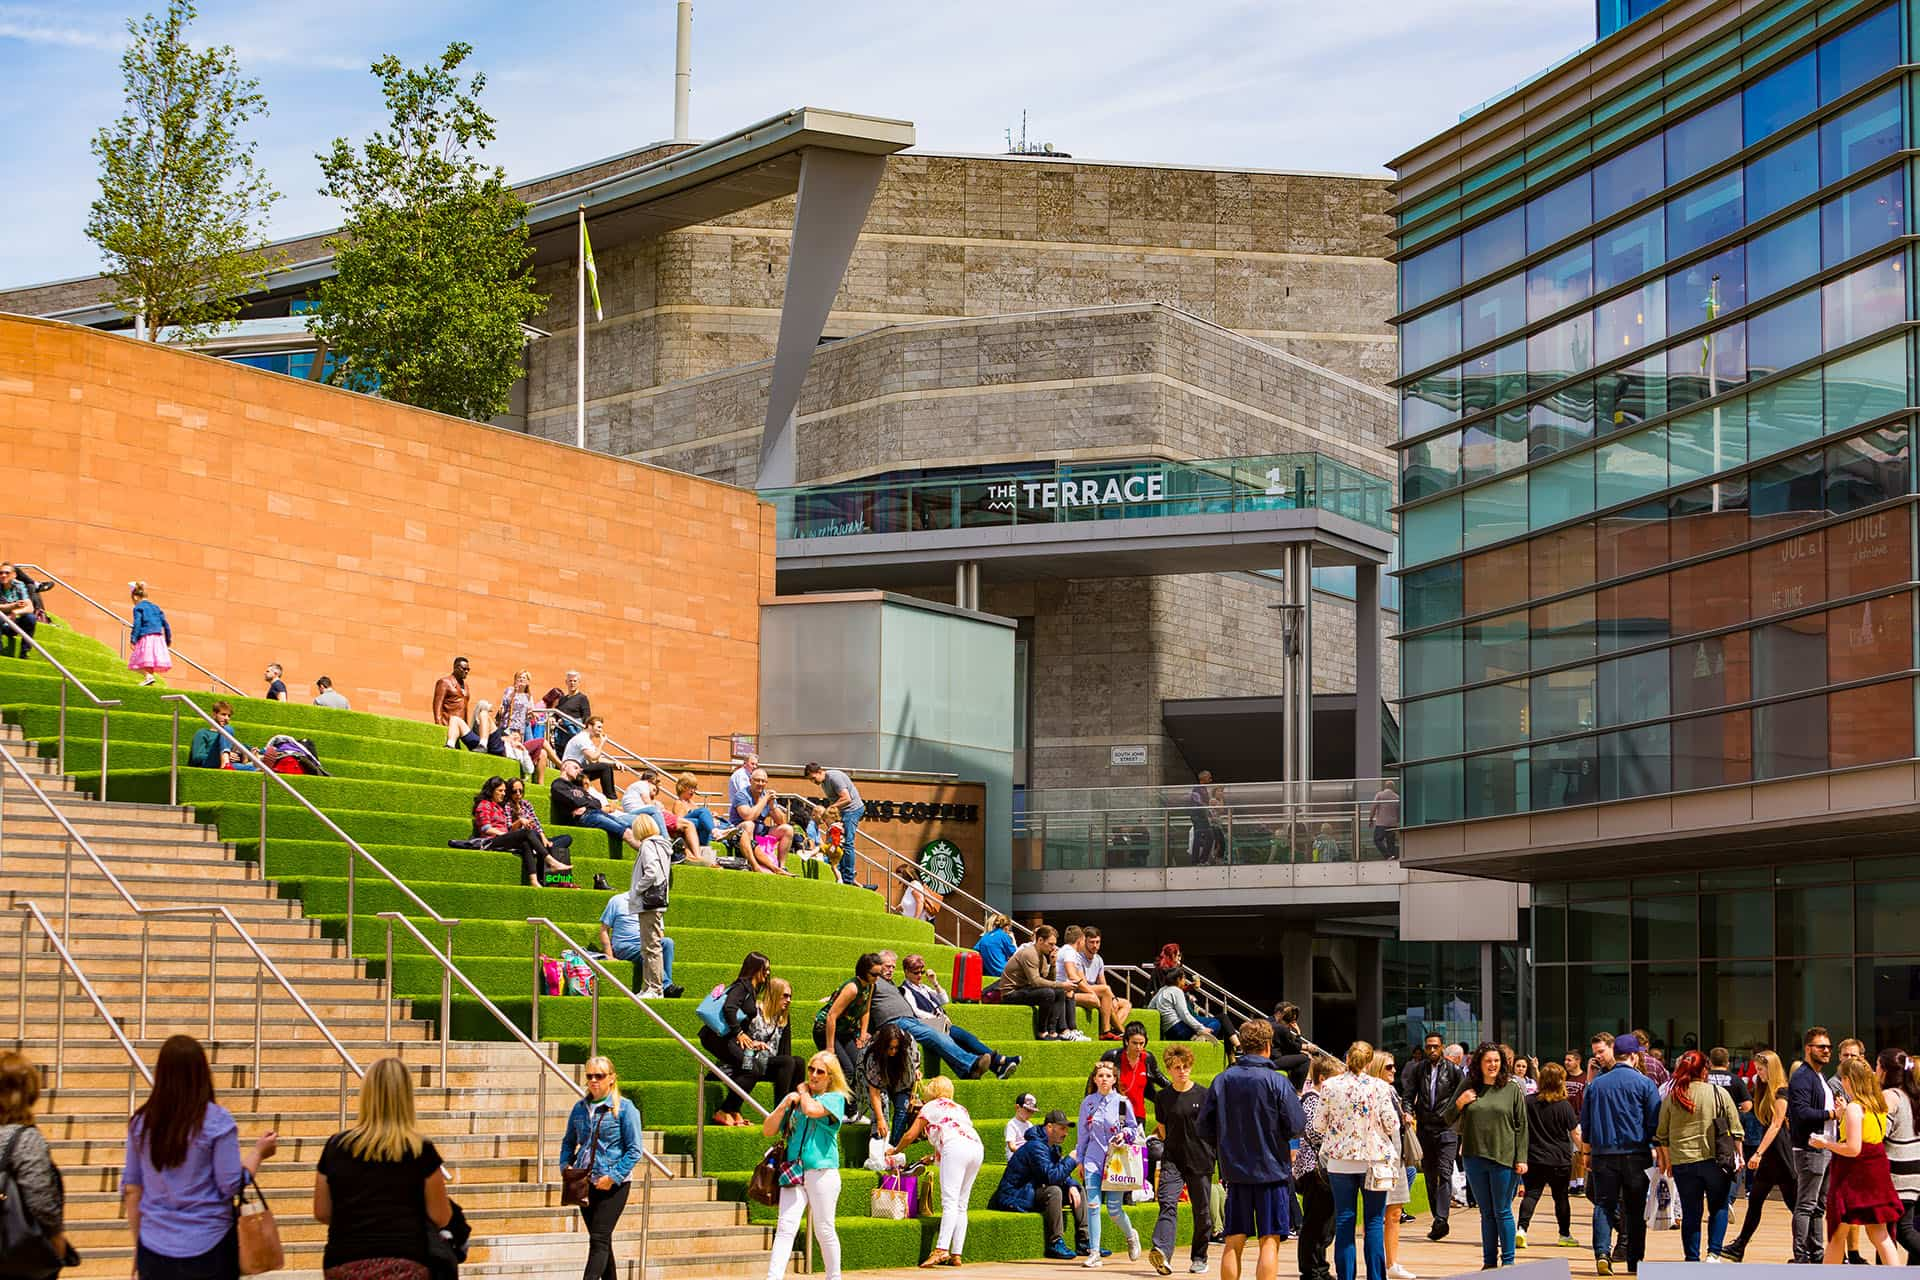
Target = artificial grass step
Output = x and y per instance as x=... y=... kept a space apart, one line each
x=452 y=798
x=295 y=858
x=83 y=756
x=26 y=682
x=40 y=721
x=327 y=895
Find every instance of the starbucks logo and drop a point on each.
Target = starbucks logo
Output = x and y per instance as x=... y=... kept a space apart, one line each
x=942 y=865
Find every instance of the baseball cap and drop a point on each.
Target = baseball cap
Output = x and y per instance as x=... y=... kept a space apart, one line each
x=1628 y=1043
x=1026 y=1102
x=1057 y=1116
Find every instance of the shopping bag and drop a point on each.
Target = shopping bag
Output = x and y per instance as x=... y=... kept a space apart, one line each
x=1126 y=1167
x=965 y=988
x=259 y=1234
x=897 y=1196
x=579 y=974
x=553 y=976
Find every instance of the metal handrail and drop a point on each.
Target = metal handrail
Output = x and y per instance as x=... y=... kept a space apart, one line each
x=449 y=971
x=105 y=705
x=602 y=974
x=60 y=1005
x=1211 y=994
x=216 y=911
x=357 y=851
x=83 y=597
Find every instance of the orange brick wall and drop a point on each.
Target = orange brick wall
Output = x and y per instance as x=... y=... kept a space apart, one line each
x=337 y=534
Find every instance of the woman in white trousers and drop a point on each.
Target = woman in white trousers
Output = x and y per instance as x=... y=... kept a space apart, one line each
x=815 y=1110
x=956 y=1144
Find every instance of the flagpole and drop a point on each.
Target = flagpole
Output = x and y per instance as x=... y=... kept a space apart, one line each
x=580 y=358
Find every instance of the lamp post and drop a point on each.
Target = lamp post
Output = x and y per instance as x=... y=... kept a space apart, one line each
x=1290 y=654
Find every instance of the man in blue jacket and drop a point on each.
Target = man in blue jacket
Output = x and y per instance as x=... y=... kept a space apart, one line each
x=1811 y=1107
x=1039 y=1179
x=1619 y=1111
x=1251 y=1116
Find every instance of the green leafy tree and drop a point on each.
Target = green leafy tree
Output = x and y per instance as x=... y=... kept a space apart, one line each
x=182 y=213
x=432 y=273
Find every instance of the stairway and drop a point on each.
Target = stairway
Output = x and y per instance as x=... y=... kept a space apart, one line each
x=481 y=1114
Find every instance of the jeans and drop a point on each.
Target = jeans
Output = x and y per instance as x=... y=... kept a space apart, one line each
x=1492 y=1184
x=1810 y=1204
x=1907 y=1234
x=601 y=820
x=666 y=963
x=1438 y=1148
x=1183 y=1032
x=849 y=824
x=944 y=1047
x=1387 y=841
x=222 y=1262
x=1539 y=1178
x=1116 y=1205
x=1702 y=1181
x=817 y=1196
x=22 y=646
x=704 y=823
x=602 y=1213
x=1316 y=1226
x=1617 y=1185
x=1197 y=1181
x=1346 y=1191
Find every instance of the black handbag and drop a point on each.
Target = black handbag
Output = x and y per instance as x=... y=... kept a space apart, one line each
x=576 y=1181
x=1726 y=1139
x=447 y=1246
x=25 y=1251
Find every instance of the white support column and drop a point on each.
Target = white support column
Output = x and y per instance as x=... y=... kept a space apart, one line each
x=1366 y=671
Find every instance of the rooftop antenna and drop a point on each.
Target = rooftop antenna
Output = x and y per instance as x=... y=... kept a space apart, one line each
x=1025 y=148
x=682 y=71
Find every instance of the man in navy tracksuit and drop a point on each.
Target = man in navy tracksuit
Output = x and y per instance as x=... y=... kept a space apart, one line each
x=1619 y=1112
x=1810 y=1109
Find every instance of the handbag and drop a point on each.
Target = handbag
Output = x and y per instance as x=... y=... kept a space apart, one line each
x=1126 y=1167
x=712 y=1011
x=1726 y=1141
x=897 y=1197
x=1381 y=1177
x=1411 y=1152
x=576 y=1181
x=24 y=1247
x=260 y=1248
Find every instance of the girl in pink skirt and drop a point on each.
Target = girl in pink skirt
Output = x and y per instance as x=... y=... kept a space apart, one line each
x=151 y=636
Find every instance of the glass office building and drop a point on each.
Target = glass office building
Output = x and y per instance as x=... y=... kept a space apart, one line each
x=1657 y=390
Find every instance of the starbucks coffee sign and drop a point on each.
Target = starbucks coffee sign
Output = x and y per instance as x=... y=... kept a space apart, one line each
x=942 y=865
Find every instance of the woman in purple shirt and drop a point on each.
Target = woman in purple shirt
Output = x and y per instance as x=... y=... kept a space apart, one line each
x=183 y=1169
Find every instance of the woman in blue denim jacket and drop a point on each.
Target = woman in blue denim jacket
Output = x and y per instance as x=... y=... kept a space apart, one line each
x=1105 y=1114
x=603 y=1132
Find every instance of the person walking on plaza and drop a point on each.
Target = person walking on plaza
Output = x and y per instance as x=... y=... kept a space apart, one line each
x=602 y=1137
x=1769 y=1167
x=1106 y=1117
x=1693 y=1114
x=958 y=1151
x=1428 y=1086
x=1812 y=1106
x=184 y=1168
x=1902 y=1086
x=1492 y=1113
x=842 y=803
x=1251 y=1116
x=380 y=1186
x=1619 y=1111
x=811 y=1117
x=1400 y=1194
x=1360 y=1119
x=1186 y=1164
x=1553 y=1131
x=1310 y=1178
x=1860 y=1181
x=151 y=636
x=25 y=1157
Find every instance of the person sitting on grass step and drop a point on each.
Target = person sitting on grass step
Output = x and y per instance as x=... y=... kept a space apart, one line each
x=501 y=832
x=1039 y=1178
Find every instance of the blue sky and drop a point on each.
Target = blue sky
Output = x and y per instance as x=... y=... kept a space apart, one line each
x=1285 y=84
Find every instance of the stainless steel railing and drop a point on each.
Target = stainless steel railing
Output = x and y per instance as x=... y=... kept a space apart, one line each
x=126 y=625
x=136 y=1068
x=601 y=976
x=356 y=853
x=217 y=914
x=104 y=705
x=547 y=1065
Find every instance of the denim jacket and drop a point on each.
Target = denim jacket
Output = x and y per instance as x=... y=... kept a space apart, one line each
x=149 y=621
x=617 y=1148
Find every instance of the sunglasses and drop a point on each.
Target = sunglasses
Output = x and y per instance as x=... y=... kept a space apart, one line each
x=816 y=1071
x=596 y=1075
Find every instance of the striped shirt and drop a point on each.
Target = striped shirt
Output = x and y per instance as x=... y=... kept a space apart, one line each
x=1903 y=1145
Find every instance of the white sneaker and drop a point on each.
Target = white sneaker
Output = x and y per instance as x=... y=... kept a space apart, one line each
x=1197 y=1267
x=1519 y=1239
x=1093 y=1260
x=1141 y=1195
x=1398 y=1272
x=1133 y=1247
